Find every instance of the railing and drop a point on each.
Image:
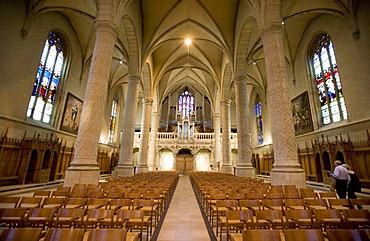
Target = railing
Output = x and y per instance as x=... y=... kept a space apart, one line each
x=203 y=136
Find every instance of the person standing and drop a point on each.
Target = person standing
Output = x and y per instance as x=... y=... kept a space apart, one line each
x=342 y=178
x=354 y=185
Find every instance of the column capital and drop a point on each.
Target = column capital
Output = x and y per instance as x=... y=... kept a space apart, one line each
x=135 y=78
x=272 y=27
x=226 y=102
x=107 y=26
x=147 y=101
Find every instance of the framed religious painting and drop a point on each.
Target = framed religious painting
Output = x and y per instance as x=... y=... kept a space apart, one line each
x=71 y=114
x=302 y=118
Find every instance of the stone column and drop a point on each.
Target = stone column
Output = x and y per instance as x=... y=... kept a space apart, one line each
x=217 y=146
x=84 y=167
x=125 y=165
x=286 y=169
x=145 y=124
x=153 y=142
x=226 y=136
x=244 y=166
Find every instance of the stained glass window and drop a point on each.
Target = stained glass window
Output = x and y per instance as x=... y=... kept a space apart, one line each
x=113 y=119
x=186 y=104
x=45 y=88
x=258 y=112
x=333 y=107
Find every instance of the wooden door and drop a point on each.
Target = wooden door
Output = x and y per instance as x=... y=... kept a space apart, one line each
x=184 y=164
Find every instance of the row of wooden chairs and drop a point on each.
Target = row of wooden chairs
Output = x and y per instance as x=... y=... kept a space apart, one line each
x=63 y=234
x=301 y=235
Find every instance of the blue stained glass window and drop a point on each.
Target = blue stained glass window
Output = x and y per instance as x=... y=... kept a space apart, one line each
x=333 y=107
x=113 y=118
x=45 y=88
x=258 y=112
x=186 y=103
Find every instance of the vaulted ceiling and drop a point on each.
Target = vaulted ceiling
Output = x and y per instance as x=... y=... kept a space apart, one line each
x=223 y=33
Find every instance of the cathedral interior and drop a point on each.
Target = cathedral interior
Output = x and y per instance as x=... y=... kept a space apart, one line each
x=269 y=89
x=123 y=87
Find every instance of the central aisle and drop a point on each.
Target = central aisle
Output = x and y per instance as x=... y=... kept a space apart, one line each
x=183 y=220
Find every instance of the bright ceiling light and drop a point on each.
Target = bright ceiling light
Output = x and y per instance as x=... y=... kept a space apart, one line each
x=188 y=41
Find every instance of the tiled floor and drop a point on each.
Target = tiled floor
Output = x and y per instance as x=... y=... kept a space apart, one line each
x=183 y=220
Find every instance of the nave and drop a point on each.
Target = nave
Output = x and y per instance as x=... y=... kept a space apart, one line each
x=178 y=215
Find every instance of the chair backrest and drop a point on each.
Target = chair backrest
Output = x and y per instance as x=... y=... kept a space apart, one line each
x=20 y=234
x=364 y=202
x=261 y=235
x=321 y=214
x=107 y=235
x=294 y=203
x=338 y=203
x=356 y=213
x=308 y=193
x=129 y=214
x=298 y=214
x=245 y=215
x=118 y=203
x=30 y=202
x=328 y=195
x=64 y=234
x=42 y=193
x=42 y=212
x=97 y=202
x=56 y=201
x=347 y=235
x=303 y=235
x=316 y=202
x=9 y=202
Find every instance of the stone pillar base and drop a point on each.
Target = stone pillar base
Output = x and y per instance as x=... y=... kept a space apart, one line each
x=245 y=171
x=227 y=169
x=81 y=175
x=288 y=177
x=141 y=169
x=123 y=171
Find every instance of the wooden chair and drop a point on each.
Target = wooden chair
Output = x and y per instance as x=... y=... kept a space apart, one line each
x=150 y=210
x=107 y=235
x=236 y=221
x=132 y=220
x=347 y=235
x=261 y=235
x=308 y=193
x=75 y=203
x=40 y=217
x=99 y=218
x=78 y=193
x=64 y=234
x=303 y=235
x=114 y=195
x=292 y=195
x=338 y=204
x=253 y=205
x=119 y=204
x=272 y=204
x=357 y=218
x=327 y=218
x=274 y=195
x=316 y=204
x=9 y=202
x=69 y=217
x=12 y=217
x=61 y=194
x=328 y=195
x=42 y=193
x=53 y=202
x=360 y=203
x=299 y=218
x=30 y=202
x=294 y=204
x=290 y=188
x=219 y=210
x=92 y=194
x=20 y=234
x=269 y=219
x=64 y=189
x=93 y=203
x=276 y=189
